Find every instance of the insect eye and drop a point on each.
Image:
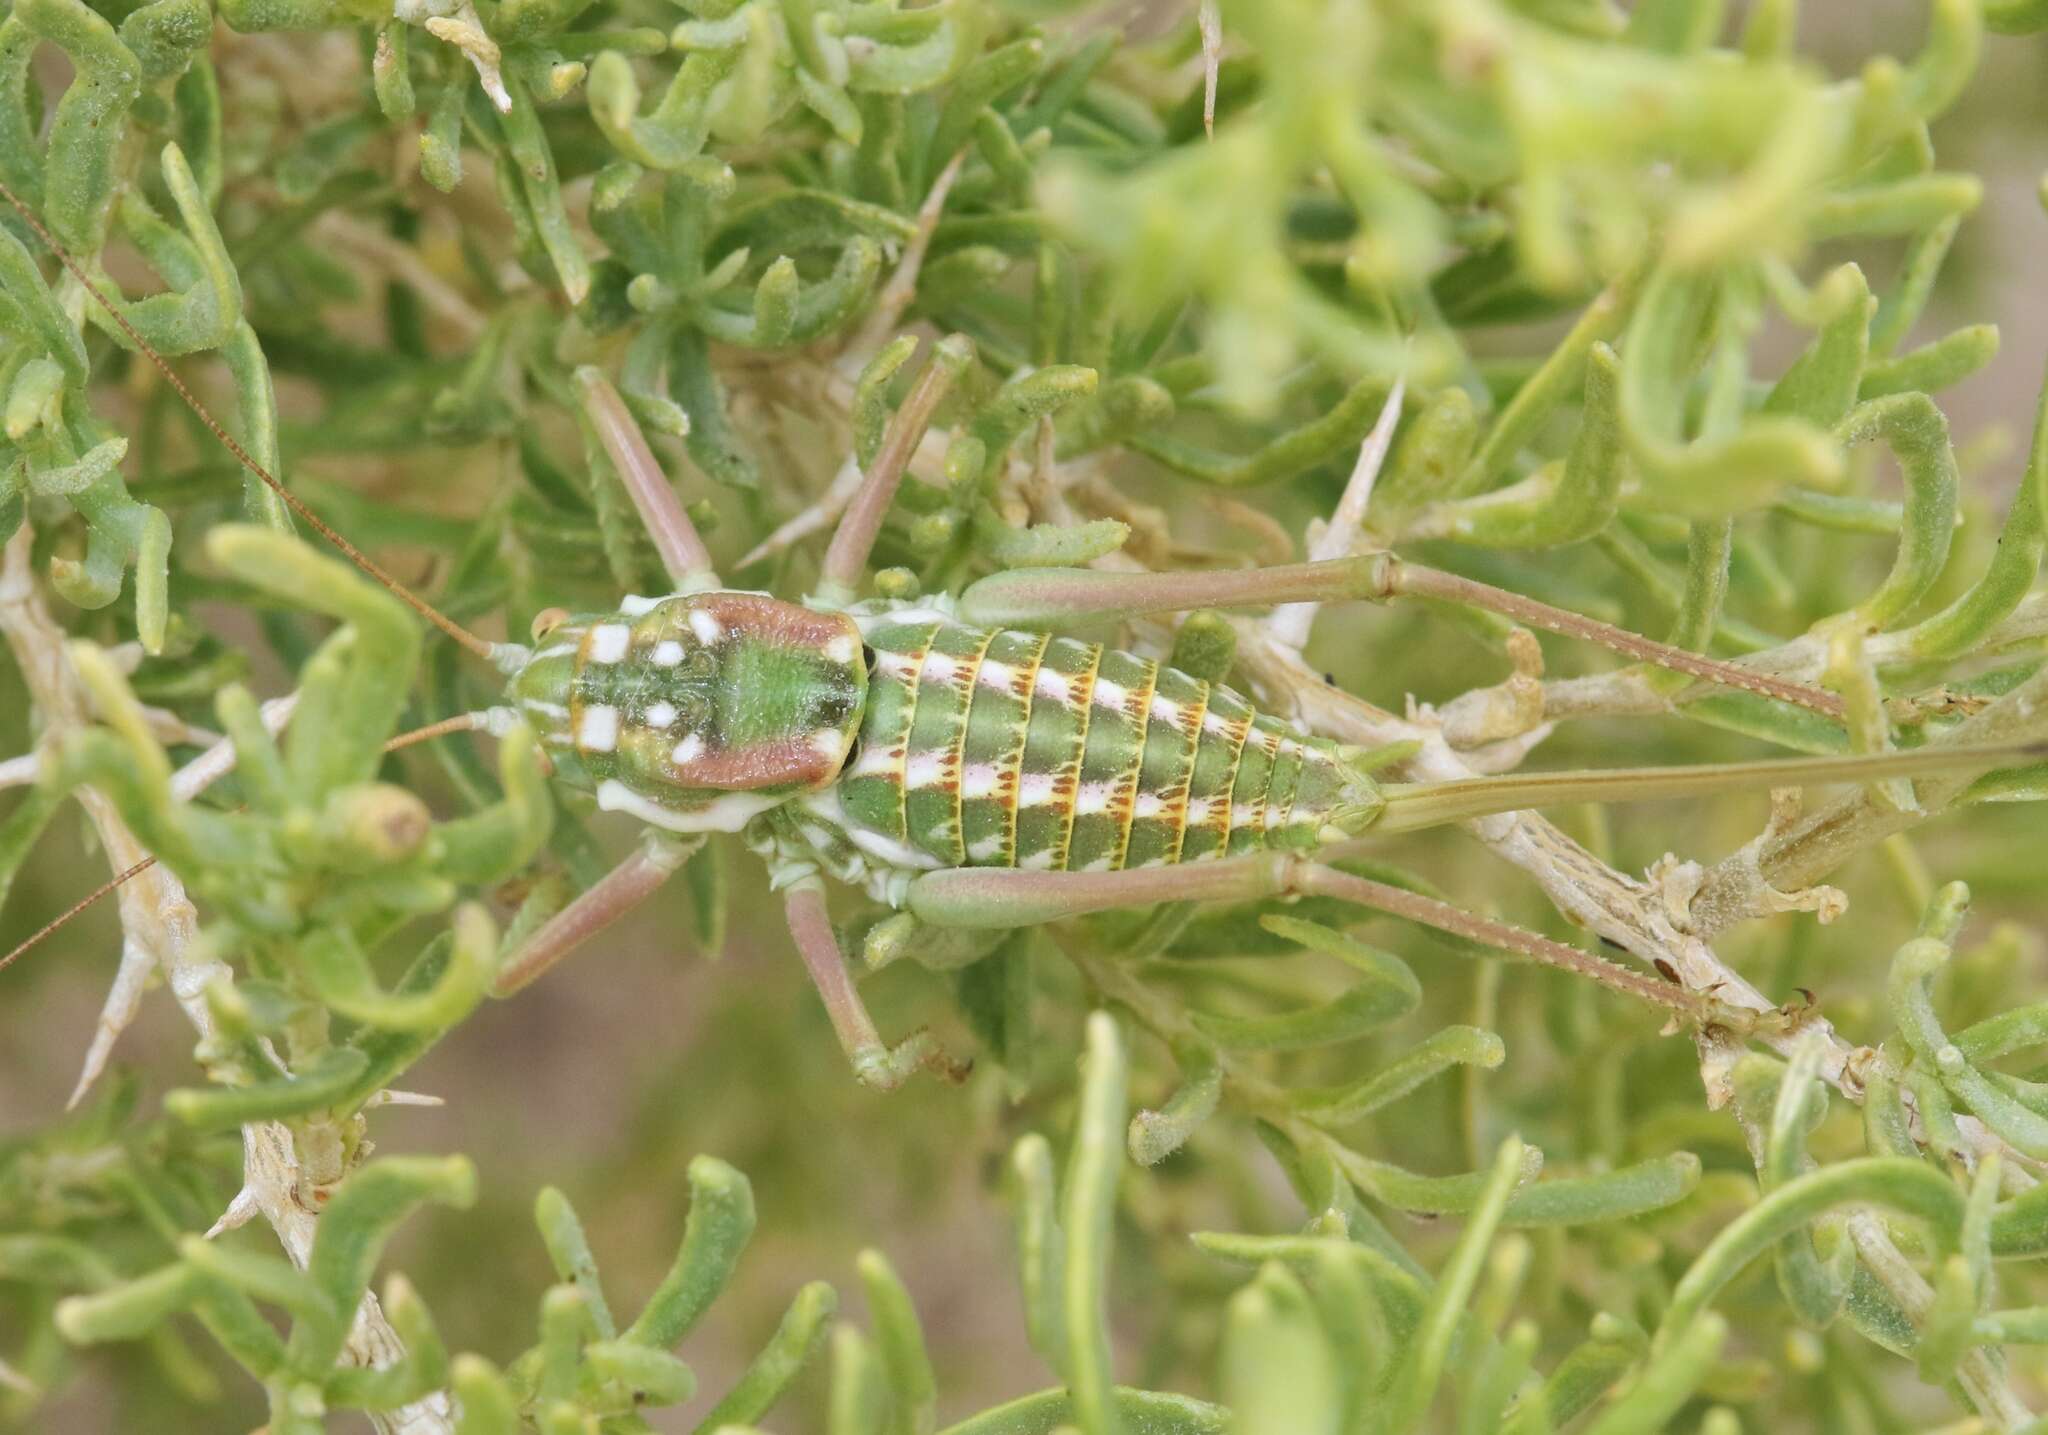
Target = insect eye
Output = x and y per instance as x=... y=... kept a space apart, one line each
x=547 y=620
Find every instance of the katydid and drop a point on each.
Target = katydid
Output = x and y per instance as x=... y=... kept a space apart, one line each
x=966 y=761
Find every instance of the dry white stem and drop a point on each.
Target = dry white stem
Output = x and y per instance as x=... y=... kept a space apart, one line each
x=270 y=1169
x=219 y=760
x=138 y=961
x=1209 y=18
x=173 y=731
x=1081 y=482
x=1269 y=543
x=465 y=31
x=403 y=262
x=1788 y=805
x=158 y=918
x=1510 y=709
x=1825 y=902
x=240 y=1211
x=902 y=286
x=14 y=1380
x=166 y=727
x=1674 y=883
x=1289 y=623
x=1506 y=754
x=1981 y=1376
x=117 y=1013
x=814 y=517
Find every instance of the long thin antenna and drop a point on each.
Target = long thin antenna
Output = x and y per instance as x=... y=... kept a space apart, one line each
x=462 y=722
x=73 y=910
x=348 y=550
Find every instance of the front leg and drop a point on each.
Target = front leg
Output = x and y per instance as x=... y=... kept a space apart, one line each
x=875 y=1062
x=613 y=895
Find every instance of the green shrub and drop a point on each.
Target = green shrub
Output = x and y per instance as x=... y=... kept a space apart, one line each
x=1616 y=318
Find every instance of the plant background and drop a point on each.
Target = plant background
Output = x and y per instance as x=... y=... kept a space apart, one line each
x=608 y=1077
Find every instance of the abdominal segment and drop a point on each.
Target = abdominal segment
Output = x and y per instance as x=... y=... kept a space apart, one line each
x=1013 y=749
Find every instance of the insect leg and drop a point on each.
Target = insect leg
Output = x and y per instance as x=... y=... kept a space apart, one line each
x=1042 y=597
x=1006 y=897
x=875 y=1062
x=676 y=539
x=847 y=558
x=613 y=895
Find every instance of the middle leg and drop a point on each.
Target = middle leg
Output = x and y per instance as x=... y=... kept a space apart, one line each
x=638 y=877
x=875 y=1062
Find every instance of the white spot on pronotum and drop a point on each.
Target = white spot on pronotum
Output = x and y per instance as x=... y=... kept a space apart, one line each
x=667 y=653
x=1034 y=789
x=688 y=750
x=634 y=606
x=660 y=715
x=598 y=729
x=828 y=742
x=609 y=641
x=707 y=628
x=841 y=650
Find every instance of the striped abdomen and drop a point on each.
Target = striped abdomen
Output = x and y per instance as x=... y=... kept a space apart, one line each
x=1010 y=749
